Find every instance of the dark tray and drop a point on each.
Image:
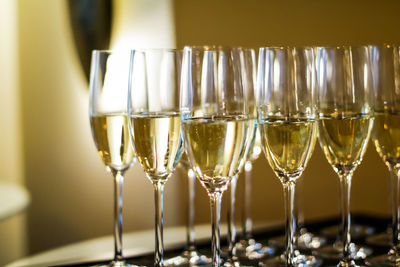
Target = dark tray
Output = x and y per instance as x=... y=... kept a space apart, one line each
x=263 y=235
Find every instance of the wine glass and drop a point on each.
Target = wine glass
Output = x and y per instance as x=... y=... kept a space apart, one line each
x=249 y=78
x=287 y=119
x=155 y=122
x=109 y=123
x=344 y=125
x=215 y=122
x=385 y=65
x=247 y=247
x=190 y=256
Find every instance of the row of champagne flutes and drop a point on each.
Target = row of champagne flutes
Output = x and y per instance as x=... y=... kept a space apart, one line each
x=212 y=101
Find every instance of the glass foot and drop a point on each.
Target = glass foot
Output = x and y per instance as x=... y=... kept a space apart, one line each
x=382 y=239
x=349 y=264
x=188 y=258
x=335 y=252
x=118 y=264
x=357 y=231
x=233 y=263
x=251 y=249
x=306 y=240
x=300 y=260
x=384 y=260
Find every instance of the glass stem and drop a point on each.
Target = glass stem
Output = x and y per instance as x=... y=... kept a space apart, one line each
x=159 y=244
x=231 y=218
x=345 y=188
x=395 y=180
x=190 y=233
x=247 y=223
x=215 y=204
x=298 y=211
x=118 y=187
x=289 y=192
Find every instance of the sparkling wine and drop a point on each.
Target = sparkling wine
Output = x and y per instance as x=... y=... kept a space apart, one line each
x=288 y=144
x=344 y=139
x=111 y=136
x=158 y=143
x=386 y=137
x=216 y=146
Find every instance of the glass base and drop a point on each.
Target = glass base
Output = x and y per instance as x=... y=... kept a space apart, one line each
x=357 y=231
x=233 y=263
x=349 y=264
x=385 y=260
x=188 y=258
x=117 y=264
x=335 y=252
x=382 y=239
x=304 y=241
x=308 y=240
x=252 y=250
x=300 y=260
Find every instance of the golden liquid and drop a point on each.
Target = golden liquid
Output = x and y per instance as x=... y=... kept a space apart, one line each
x=111 y=136
x=216 y=146
x=158 y=143
x=288 y=145
x=344 y=140
x=386 y=137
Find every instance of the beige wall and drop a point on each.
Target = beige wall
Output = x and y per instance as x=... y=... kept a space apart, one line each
x=71 y=191
x=12 y=230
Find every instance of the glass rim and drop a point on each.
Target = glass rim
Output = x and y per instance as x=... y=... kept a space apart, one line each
x=213 y=47
x=110 y=51
x=155 y=50
x=102 y=51
x=385 y=45
x=286 y=48
x=339 y=47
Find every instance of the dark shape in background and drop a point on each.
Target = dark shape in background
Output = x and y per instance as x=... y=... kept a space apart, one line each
x=91 y=27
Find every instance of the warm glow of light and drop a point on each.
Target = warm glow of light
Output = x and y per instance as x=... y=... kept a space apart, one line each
x=366 y=76
x=115 y=87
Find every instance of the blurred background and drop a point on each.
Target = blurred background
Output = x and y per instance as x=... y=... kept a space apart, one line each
x=45 y=139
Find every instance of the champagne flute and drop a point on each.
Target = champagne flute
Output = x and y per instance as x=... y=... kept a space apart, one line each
x=249 y=78
x=215 y=122
x=109 y=123
x=247 y=247
x=344 y=125
x=385 y=65
x=287 y=118
x=190 y=256
x=153 y=108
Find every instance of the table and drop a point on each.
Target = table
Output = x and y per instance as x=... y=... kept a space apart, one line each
x=139 y=246
x=135 y=244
